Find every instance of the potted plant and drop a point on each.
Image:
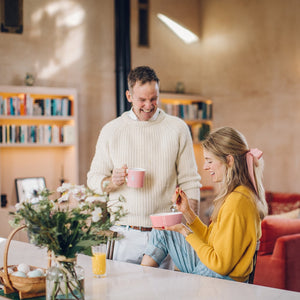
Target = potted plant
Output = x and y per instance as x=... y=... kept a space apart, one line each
x=68 y=225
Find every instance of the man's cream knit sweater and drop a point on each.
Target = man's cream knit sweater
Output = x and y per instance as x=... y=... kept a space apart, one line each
x=163 y=147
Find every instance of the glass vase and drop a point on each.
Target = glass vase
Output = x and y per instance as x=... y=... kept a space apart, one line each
x=65 y=280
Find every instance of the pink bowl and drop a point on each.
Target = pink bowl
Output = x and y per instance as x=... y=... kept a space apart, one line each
x=166 y=219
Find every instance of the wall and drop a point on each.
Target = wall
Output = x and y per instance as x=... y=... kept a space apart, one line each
x=66 y=44
x=70 y=43
x=172 y=59
x=251 y=68
x=247 y=61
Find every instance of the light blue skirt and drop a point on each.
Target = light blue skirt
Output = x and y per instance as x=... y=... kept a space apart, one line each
x=164 y=242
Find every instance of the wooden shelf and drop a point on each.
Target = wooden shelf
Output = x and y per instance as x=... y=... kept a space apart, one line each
x=53 y=160
x=178 y=105
x=36 y=118
x=35 y=145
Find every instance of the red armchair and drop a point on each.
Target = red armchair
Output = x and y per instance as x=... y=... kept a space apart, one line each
x=278 y=262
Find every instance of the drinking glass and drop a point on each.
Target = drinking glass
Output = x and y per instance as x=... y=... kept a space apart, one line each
x=99 y=260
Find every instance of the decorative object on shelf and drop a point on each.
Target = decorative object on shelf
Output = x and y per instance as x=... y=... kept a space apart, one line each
x=62 y=179
x=66 y=226
x=29 y=187
x=180 y=87
x=3 y=200
x=29 y=79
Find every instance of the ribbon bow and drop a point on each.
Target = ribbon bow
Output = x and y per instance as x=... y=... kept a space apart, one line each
x=252 y=156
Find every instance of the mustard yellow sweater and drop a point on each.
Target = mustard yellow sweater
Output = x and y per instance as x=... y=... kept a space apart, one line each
x=227 y=246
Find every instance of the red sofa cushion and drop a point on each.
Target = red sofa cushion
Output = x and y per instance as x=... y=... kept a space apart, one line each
x=282 y=202
x=273 y=228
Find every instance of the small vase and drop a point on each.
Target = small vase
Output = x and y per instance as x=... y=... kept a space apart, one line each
x=65 y=280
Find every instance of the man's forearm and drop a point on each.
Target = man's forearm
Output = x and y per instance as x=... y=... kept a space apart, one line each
x=195 y=206
x=107 y=185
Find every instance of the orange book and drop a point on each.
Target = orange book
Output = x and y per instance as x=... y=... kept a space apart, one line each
x=22 y=106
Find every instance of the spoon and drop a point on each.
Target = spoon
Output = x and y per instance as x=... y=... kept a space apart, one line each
x=173 y=207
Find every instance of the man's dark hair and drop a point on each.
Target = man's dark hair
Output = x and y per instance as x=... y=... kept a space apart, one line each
x=143 y=74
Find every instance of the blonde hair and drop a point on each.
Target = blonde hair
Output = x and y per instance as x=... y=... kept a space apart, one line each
x=228 y=141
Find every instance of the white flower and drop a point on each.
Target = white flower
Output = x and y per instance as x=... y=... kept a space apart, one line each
x=81 y=205
x=78 y=192
x=102 y=199
x=92 y=199
x=78 y=189
x=18 y=206
x=64 y=187
x=106 y=183
x=96 y=214
x=112 y=218
x=64 y=197
x=34 y=200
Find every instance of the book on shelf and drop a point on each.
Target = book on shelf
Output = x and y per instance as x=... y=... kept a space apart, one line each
x=68 y=134
x=199 y=132
x=37 y=134
x=56 y=134
x=27 y=105
x=193 y=111
x=39 y=104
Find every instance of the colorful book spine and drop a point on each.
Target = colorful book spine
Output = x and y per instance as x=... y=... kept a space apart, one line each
x=193 y=111
x=26 y=105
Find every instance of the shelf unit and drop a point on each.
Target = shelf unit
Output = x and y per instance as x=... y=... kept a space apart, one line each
x=197 y=112
x=52 y=151
x=193 y=109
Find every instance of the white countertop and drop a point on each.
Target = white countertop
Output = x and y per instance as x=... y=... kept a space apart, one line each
x=129 y=281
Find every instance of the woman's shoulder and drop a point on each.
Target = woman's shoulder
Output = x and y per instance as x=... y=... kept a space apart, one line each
x=241 y=201
x=240 y=196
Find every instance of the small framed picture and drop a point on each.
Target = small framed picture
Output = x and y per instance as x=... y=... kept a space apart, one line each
x=27 y=188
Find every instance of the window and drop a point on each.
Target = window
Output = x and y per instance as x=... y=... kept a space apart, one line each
x=11 y=16
x=143 y=23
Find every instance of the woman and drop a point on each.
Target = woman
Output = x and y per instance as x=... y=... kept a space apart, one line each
x=225 y=248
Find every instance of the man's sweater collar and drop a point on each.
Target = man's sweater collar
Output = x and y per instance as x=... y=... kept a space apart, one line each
x=133 y=116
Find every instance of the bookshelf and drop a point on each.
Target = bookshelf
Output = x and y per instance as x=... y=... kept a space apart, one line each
x=38 y=136
x=197 y=112
x=193 y=109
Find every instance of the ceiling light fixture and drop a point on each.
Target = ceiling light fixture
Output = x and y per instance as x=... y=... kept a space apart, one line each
x=186 y=35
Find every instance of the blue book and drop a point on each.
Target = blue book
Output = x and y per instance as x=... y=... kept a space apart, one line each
x=11 y=105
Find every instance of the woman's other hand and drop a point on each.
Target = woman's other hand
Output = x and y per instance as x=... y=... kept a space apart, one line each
x=180 y=199
x=182 y=204
x=181 y=228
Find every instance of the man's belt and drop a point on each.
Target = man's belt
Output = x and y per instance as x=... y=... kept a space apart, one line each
x=140 y=228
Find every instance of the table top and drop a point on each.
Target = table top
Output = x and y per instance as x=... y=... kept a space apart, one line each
x=130 y=281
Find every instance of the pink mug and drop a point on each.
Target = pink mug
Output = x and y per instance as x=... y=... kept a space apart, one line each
x=135 y=177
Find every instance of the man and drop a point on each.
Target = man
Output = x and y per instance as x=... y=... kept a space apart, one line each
x=144 y=137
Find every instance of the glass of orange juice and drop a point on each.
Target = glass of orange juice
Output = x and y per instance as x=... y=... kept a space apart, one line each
x=99 y=260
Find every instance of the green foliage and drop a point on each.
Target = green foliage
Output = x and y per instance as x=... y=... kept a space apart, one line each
x=67 y=228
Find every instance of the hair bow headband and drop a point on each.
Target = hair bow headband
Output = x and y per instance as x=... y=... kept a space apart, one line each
x=252 y=156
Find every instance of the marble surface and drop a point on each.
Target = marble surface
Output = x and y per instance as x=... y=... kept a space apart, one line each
x=129 y=281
